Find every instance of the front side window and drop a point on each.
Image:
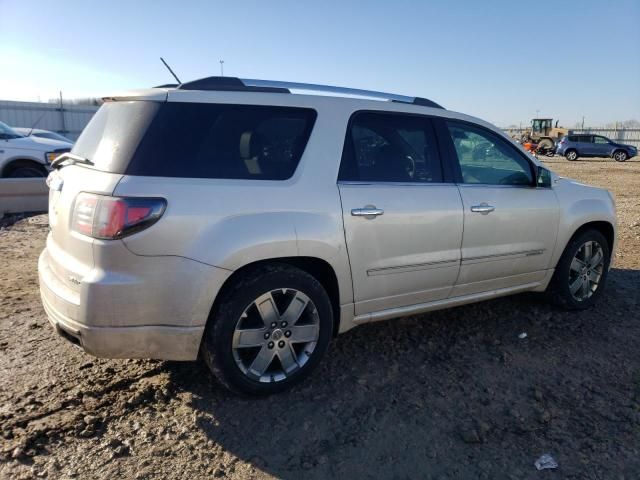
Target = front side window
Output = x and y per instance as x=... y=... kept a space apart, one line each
x=601 y=140
x=485 y=158
x=384 y=147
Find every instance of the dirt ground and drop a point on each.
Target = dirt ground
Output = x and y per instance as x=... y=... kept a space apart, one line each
x=452 y=394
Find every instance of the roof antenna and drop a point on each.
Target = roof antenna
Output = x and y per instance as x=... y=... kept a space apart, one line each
x=171 y=71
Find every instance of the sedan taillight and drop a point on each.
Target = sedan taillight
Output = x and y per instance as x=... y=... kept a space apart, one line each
x=109 y=218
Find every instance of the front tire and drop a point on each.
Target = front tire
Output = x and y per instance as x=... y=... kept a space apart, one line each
x=269 y=330
x=582 y=271
x=620 y=156
x=571 y=155
x=25 y=169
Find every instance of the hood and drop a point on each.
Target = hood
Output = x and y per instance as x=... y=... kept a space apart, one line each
x=39 y=143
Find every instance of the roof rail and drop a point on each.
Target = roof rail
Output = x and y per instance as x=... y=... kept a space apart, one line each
x=341 y=91
x=275 y=86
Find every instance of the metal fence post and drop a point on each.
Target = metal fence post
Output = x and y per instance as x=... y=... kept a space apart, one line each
x=64 y=128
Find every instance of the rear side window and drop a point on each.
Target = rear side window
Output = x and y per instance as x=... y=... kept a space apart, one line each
x=574 y=138
x=382 y=147
x=196 y=140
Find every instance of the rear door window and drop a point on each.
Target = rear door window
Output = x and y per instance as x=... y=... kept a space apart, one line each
x=195 y=140
x=384 y=147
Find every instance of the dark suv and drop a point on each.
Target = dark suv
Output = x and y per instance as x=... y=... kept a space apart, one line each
x=587 y=145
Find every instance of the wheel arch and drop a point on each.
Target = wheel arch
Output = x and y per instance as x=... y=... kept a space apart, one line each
x=571 y=149
x=320 y=269
x=619 y=149
x=17 y=161
x=606 y=228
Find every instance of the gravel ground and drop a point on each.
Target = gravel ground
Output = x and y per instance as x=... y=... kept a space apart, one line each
x=452 y=394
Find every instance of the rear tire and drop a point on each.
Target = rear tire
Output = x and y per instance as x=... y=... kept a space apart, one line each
x=578 y=281
x=268 y=330
x=571 y=155
x=620 y=156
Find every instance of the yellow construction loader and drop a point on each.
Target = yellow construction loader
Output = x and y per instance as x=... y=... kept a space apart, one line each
x=543 y=133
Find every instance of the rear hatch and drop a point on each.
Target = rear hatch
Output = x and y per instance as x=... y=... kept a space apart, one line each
x=108 y=142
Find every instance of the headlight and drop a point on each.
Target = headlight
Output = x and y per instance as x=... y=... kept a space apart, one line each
x=51 y=156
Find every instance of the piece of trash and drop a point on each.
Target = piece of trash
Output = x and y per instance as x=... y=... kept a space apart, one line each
x=545 y=462
x=522 y=335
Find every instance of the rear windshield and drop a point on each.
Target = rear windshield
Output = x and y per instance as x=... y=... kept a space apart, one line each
x=111 y=137
x=195 y=140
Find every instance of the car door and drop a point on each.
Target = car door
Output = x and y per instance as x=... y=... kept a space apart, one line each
x=510 y=225
x=402 y=220
x=601 y=146
x=6 y=147
x=586 y=146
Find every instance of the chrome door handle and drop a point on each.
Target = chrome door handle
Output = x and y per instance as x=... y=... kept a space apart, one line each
x=367 y=212
x=483 y=208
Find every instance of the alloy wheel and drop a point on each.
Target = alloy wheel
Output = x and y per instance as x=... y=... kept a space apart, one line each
x=586 y=270
x=572 y=155
x=276 y=335
x=620 y=156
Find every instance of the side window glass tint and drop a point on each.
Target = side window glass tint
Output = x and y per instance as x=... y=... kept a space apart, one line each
x=223 y=141
x=485 y=158
x=601 y=140
x=382 y=147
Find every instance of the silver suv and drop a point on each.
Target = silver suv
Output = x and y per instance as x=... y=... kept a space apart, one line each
x=240 y=221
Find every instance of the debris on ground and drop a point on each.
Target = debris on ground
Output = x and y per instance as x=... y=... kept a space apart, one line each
x=546 y=462
x=450 y=394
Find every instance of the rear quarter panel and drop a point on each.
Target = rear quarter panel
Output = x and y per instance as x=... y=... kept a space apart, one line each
x=232 y=223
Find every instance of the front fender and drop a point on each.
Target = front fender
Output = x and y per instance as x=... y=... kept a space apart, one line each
x=581 y=204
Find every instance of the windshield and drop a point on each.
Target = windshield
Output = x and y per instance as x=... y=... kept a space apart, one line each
x=7 y=132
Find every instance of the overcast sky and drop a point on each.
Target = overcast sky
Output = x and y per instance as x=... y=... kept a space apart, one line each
x=490 y=59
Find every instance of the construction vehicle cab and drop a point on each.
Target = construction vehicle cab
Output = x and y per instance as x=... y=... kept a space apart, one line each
x=541 y=126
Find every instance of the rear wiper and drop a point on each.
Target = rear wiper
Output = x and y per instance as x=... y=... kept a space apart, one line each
x=71 y=159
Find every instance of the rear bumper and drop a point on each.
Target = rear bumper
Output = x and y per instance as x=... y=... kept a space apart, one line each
x=133 y=319
x=157 y=341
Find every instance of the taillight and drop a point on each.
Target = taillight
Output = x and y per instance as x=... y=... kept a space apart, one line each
x=109 y=218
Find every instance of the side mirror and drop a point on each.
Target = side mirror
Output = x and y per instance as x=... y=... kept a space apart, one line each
x=543 y=178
